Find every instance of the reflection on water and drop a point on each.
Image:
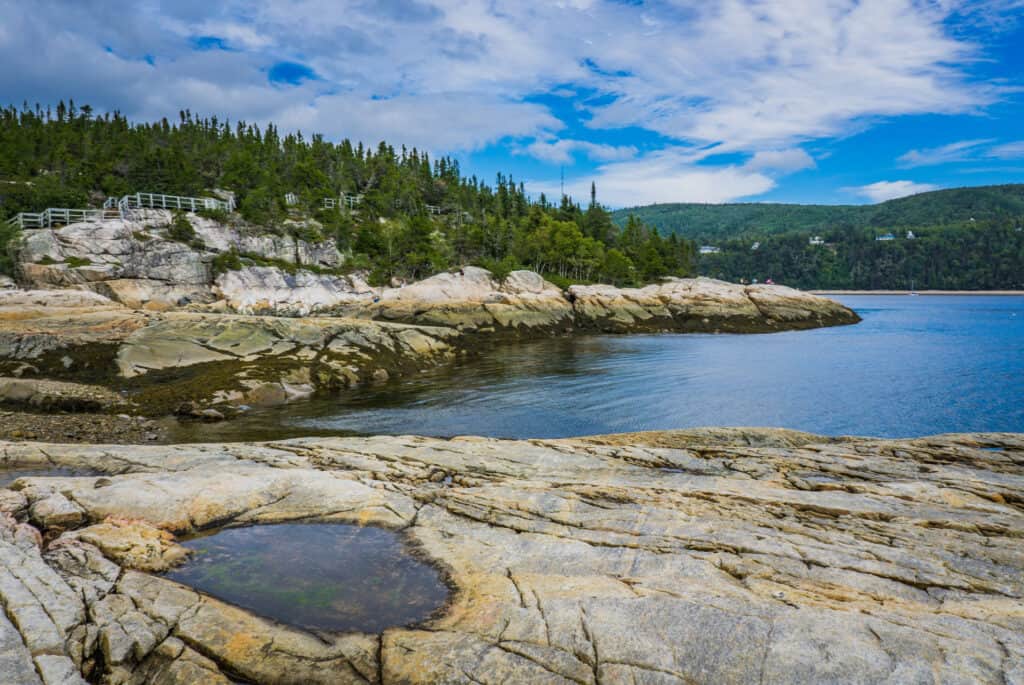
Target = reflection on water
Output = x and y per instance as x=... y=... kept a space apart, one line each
x=9 y=475
x=914 y=366
x=332 y=577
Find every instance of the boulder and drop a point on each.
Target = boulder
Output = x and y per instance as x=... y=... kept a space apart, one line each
x=470 y=300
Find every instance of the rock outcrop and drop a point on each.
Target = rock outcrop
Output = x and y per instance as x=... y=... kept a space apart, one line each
x=524 y=304
x=137 y=263
x=272 y=291
x=730 y=555
x=703 y=305
x=470 y=300
x=161 y=360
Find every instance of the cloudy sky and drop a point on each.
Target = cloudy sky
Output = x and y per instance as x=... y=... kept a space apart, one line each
x=681 y=100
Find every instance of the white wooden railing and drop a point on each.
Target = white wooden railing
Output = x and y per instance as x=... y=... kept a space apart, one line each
x=117 y=208
x=58 y=215
x=342 y=200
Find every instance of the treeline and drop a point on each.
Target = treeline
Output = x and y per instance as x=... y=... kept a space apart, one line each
x=68 y=157
x=712 y=223
x=971 y=255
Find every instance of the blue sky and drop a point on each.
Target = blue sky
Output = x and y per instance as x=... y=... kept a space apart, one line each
x=846 y=101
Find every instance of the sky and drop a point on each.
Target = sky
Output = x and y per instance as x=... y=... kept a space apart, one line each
x=823 y=101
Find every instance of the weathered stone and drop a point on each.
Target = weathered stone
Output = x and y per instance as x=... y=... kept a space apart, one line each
x=56 y=511
x=703 y=304
x=723 y=555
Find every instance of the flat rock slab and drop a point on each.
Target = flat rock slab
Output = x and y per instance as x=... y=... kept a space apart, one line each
x=706 y=556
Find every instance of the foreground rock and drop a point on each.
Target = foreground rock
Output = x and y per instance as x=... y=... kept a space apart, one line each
x=703 y=556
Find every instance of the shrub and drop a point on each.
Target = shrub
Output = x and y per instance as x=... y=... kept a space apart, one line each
x=226 y=261
x=500 y=269
x=181 y=229
x=218 y=215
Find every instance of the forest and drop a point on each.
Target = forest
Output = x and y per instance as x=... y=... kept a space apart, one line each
x=69 y=156
x=970 y=255
x=752 y=220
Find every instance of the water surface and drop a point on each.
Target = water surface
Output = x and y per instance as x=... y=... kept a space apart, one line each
x=317 y=576
x=10 y=474
x=914 y=366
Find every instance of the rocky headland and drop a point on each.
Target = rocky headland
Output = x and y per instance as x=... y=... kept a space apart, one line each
x=145 y=321
x=739 y=555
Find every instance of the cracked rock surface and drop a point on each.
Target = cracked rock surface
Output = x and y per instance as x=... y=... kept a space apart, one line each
x=704 y=556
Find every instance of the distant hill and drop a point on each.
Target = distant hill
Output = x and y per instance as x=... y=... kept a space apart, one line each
x=719 y=222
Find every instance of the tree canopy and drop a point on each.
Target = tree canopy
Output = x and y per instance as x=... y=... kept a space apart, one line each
x=67 y=157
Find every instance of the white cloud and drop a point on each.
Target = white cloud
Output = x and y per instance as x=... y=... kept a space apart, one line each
x=1014 y=150
x=562 y=151
x=889 y=190
x=744 y=76
x=664 y=176
x=959 y=151
x=787 y=161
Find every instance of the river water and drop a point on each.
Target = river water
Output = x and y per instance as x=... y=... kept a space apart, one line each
x=914 y=366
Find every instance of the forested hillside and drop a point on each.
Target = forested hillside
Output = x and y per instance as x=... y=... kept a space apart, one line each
x=754 y=220
x=978 y=255
x=67 y=157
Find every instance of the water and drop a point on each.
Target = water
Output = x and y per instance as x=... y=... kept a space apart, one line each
x=330 y=577
x=9 y=475
x=914 y=366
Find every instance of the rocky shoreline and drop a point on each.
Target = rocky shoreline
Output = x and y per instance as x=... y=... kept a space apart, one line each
x=719 y=555
x=117 y=317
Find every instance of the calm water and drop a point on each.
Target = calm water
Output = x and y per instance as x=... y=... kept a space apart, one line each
x=332 y=577
x=9 y=475
x=914 y=366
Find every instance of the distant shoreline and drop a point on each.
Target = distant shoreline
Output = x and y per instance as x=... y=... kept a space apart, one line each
x=919 y=292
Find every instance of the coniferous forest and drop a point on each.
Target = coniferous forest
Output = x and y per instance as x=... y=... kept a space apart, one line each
x=68 y=156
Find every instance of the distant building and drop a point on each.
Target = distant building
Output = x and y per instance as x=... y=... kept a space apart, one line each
x=291 y=199
x=910 y=235
x=817 y=240
x=709 y=249
x=887 y=236
x=755 y=245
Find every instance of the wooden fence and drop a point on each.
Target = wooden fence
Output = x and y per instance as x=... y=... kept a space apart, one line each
x=117 y=208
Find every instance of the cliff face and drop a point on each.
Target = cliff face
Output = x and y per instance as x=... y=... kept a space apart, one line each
x=729 y=555
x=138 y=263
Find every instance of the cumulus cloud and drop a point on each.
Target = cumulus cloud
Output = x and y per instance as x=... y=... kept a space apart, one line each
x=890 y=190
